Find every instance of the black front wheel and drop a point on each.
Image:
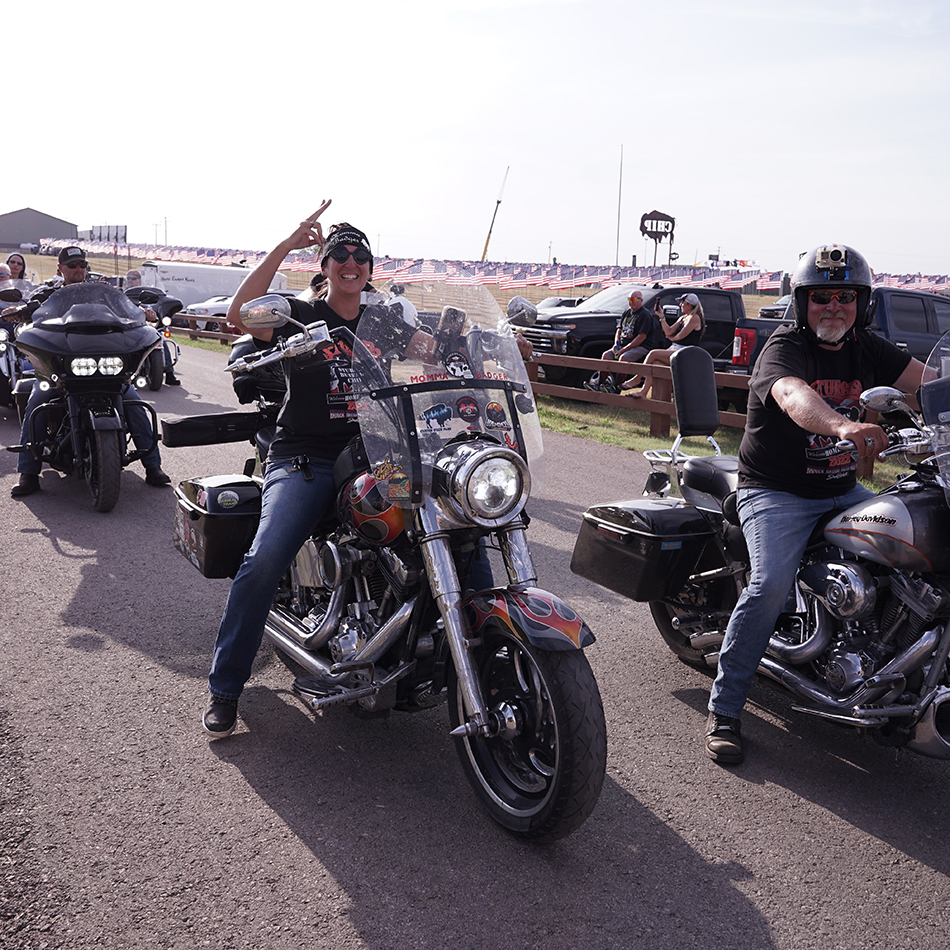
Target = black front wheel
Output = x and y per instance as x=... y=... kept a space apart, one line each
x=104 y=467
x=155 y=370
x=540 y=776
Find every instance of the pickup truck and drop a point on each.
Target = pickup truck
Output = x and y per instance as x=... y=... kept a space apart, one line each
x=588 y=329
x=912 y=319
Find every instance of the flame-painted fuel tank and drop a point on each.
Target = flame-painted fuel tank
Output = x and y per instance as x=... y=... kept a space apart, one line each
x=907 y=529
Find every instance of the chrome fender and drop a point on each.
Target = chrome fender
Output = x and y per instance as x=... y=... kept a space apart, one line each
x=533 y=615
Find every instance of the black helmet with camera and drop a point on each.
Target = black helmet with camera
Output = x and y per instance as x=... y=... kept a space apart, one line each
x=831 y=267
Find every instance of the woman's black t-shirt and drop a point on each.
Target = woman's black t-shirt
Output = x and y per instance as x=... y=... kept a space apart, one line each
x=318 y=416
x=775 y=451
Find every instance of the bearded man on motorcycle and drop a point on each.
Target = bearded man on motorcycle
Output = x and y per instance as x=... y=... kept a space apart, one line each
x=803 y=400
x=72 y=267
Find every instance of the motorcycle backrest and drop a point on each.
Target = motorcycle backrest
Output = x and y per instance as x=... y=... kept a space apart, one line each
x=694 y=391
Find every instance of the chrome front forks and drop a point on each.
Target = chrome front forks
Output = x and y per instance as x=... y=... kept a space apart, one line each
x=446 y=588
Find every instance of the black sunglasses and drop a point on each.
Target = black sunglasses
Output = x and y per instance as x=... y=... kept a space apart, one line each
x=82 y=264
x=341 y=255
x=822 y=297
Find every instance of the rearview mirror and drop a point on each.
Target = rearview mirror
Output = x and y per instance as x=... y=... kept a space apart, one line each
x=884 y=399
x=521 y=312
x=266 y=313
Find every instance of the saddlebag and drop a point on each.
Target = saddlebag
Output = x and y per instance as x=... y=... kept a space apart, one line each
x=215 y=521
x=644 y=549
x=213 y=429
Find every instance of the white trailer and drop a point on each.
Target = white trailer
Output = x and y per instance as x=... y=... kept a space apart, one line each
x=192 y=283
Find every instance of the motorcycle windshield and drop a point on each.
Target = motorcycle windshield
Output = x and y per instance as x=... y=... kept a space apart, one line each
x=88 y=304
x=418 y=390
x=935 y=408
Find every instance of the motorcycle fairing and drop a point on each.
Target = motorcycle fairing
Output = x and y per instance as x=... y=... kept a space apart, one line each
x=411 y=406
x=531 y=614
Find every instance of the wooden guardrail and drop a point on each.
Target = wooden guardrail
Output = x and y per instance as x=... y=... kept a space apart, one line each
x=660 y=402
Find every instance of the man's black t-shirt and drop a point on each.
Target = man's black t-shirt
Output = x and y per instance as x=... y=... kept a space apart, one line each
x=318 y=416
x=775 y=451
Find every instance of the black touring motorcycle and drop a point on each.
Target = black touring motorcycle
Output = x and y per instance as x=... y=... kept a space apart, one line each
x=373 y=608
x=865 y=637
x=87 y=342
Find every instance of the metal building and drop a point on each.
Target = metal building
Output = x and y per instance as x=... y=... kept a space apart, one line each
x=27 y=226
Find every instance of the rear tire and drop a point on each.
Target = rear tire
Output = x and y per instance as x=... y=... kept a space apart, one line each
x=540 y=779
x=155 y=370
x=103 y=467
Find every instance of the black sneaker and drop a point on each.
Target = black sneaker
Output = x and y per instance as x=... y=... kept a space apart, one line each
x=221 y=718
x=724 y=739
x=156 y=477
x=26 y=486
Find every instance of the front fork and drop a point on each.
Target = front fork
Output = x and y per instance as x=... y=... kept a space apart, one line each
x=446 y=588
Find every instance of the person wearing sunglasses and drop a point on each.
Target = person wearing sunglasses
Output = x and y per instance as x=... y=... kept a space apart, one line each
x=73 y=268
x=803 y=399
x=317 y=421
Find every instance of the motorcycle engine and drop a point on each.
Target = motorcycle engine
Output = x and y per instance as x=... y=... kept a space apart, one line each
x=846 y=669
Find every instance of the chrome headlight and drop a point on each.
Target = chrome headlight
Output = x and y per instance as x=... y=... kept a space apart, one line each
x=483 y=484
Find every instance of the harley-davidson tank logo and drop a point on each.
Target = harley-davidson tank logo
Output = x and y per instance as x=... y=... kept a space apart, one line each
x=867 y=519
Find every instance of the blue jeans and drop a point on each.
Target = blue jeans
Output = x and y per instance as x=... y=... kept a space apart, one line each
x=291 y=507
x=138 y=419
x=777 y=526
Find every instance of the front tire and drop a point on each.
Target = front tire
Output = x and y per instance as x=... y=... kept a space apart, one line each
x=540 y=778
x=156 y=370
x=103 y=467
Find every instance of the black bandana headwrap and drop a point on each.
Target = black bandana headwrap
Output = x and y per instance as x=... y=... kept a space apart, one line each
x=346 y=234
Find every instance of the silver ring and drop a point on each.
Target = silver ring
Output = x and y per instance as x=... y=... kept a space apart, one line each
x=869 y=442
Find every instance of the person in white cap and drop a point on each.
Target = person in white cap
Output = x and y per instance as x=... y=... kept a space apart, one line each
x=687 y=330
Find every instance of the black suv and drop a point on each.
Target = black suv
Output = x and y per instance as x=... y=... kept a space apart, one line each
x=588 y=329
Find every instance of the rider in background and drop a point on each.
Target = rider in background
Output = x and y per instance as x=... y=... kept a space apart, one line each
x=72 y=268
x=803 y=399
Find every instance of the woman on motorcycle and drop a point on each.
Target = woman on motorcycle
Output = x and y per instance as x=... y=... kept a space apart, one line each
x=316 y=422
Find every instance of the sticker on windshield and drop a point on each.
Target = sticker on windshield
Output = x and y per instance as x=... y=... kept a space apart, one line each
x=458 y=366
x=467 y=409
x=495 y=416
x=436 y=416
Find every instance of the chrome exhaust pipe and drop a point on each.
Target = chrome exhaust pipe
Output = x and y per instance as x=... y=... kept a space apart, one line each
x=287 y=633
x=901 y=665
x=931 y=736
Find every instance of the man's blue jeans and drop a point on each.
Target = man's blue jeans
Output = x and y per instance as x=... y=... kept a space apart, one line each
x=291 y=507
x=138 y=419
x=777 y=526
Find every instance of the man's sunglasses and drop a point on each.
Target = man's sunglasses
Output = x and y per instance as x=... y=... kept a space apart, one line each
x=341 y=255
x=73 y=264
x=822 y=297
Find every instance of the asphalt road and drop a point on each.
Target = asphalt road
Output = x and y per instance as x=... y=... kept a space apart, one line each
x=123 y=827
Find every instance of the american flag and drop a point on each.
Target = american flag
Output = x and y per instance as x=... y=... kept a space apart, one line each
x=770 y=281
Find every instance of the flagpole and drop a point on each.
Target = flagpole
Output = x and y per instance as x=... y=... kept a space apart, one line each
x=497 y=203
x=619 y=194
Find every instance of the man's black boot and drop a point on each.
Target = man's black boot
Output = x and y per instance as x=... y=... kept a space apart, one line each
x=26 y=486
x=724 y=739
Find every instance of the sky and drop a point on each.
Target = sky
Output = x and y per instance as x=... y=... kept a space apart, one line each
x=764 y=127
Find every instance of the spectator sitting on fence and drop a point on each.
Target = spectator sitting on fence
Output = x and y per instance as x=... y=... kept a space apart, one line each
x=688 y=330
x=637 y=334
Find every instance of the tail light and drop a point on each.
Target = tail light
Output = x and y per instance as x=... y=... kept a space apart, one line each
x=742 y=345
